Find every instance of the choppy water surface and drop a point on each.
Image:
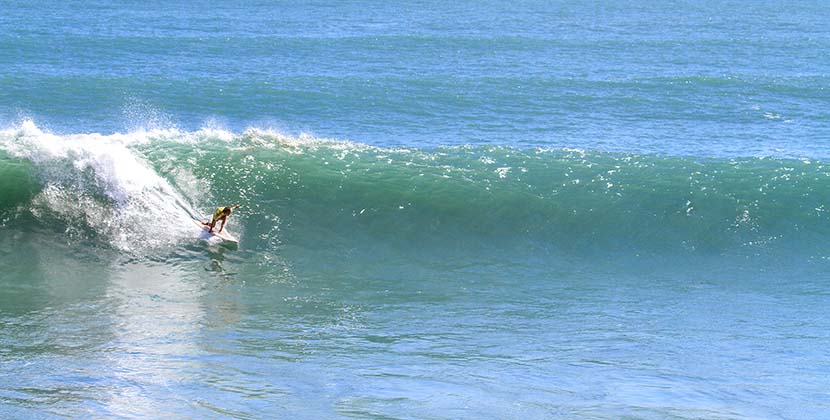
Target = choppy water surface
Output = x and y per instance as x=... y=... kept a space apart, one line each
x=533 y=210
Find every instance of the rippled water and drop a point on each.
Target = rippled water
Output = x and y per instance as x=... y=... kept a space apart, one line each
x=477 y=210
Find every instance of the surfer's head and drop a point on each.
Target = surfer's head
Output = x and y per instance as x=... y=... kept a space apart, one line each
x=227 y=210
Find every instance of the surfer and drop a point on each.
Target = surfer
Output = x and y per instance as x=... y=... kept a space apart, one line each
x=222 y=214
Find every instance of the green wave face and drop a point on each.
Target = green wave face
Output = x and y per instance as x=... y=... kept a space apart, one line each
x=333 y=195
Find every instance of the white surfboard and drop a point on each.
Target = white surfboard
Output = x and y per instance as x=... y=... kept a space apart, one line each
x=224 y=235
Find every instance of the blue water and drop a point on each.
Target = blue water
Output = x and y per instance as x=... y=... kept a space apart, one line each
x=669 y=77
x=471 y=210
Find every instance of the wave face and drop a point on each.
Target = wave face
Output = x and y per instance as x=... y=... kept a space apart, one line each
x=136 y=191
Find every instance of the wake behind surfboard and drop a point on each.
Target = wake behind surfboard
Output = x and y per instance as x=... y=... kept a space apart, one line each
x=225 y=236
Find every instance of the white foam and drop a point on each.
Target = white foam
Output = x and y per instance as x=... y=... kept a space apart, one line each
x=140 y=208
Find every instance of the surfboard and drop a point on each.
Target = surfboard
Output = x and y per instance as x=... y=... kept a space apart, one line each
x=224 y=235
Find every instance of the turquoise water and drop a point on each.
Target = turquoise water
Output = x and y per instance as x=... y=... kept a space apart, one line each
x=477 y=210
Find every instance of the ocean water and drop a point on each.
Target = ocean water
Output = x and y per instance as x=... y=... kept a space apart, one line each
x=477 y=210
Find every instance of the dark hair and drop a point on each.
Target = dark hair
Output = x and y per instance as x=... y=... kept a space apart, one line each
x=227 y=210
